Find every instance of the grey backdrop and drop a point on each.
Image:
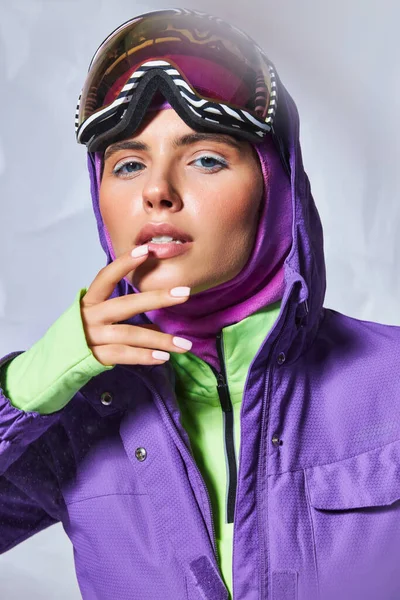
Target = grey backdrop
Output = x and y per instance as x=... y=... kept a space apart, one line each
x=340 y=62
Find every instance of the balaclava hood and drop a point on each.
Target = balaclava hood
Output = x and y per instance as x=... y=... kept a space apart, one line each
x=260 y=283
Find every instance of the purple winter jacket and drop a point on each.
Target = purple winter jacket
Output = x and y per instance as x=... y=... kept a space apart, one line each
x=317 y=511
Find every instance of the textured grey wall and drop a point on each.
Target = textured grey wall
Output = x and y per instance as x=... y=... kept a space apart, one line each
x=340 y=61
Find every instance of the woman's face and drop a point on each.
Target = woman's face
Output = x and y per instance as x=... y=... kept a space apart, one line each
x=209 y=188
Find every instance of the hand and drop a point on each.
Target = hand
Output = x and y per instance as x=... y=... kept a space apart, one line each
x=113 y=343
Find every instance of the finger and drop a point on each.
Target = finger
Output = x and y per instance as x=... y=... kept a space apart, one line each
x=107 y=278
x=119 y=309
x=113 y=354
x=137 y=336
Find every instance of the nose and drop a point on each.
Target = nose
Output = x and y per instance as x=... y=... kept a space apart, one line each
x=159 y=194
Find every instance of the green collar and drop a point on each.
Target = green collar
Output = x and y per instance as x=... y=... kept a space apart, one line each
x=194 y=377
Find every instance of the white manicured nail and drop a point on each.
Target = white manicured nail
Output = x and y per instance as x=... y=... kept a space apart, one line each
x=180 y=291
x=160 y=355
x=140 y=251
x=182 y=343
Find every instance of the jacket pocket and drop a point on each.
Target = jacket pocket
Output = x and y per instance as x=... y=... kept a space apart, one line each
x=355 y=514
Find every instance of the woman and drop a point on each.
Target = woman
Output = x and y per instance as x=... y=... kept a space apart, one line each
x=209 y=429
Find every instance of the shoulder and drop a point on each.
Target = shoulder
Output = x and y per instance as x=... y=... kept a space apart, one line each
x=359 y=340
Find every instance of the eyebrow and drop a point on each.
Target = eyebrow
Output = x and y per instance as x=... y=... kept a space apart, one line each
x=185 y=140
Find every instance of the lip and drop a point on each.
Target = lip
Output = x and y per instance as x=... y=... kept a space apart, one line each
x=168 y=250
x=151 y=230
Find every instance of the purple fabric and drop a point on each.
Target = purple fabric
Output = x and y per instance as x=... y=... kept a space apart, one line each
x=261 y=281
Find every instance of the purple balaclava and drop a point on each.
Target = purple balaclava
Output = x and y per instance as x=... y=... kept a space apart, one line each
x=261 y=281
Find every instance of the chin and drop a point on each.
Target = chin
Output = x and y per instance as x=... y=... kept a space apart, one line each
x=157 y=275
x=150 y=278
x=152 y=282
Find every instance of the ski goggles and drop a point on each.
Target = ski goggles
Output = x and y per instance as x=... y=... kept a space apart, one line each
x=213 y=74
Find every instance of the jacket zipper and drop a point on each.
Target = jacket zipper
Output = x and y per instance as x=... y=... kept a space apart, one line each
x=226 y=405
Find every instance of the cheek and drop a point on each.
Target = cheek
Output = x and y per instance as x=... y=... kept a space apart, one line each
x=113 y=210
x=108 y=209
x=237 y=208
x=253 y=201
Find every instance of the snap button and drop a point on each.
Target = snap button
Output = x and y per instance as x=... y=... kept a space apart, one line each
x=106 y=398
x=281 y=358
x=140 y=453
x=276 y=441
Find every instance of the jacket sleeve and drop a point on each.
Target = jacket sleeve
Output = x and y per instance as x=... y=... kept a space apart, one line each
x=33 y=394
x=27 y=486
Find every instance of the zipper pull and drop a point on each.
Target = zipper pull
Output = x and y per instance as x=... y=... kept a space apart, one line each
x=223 y=393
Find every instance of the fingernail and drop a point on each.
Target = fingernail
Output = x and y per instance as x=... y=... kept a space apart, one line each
x=180 y=291
x=182 y=343
x=140 y=251
x=160 y=355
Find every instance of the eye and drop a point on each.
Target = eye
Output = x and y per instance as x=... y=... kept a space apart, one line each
x=211 y=163
x=126 y=168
